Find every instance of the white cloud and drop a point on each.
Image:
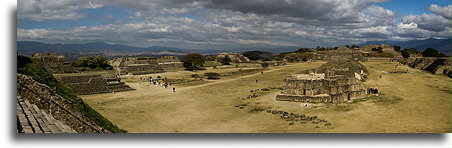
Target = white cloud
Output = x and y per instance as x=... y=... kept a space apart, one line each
x=235 y=23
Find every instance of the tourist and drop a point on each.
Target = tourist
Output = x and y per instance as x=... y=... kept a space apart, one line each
x=174 y=89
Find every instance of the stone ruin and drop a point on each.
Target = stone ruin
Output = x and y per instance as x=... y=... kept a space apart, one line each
x=144 y=65
x=54 y=63
x=235 y=57
x=323 y=85
x=434 y=65
x=358 y=54
x=93 y=84
x=40 y=110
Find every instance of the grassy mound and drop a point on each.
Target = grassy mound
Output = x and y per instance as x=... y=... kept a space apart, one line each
x=26 y=66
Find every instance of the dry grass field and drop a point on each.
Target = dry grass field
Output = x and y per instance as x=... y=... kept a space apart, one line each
x=413 y=102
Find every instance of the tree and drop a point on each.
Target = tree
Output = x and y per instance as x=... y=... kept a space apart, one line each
x=306 y=49
x=210 y=58
x=355 y=46
x=406 y=53
x=396 y=48
x=264 y=65
x=225 y=61
x=304 y=59
x=432 y=52
x=92 y=62
x=379 y=49
x=193 y=61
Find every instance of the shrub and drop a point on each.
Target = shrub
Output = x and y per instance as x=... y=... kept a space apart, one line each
x=212 y=75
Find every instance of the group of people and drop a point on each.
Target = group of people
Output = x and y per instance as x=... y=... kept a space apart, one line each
x=153 y=81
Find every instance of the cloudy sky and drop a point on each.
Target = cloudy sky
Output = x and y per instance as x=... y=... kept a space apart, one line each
x=231 y=24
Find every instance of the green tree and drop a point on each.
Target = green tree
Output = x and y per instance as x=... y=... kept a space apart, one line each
x=378 y=49
x=193 y=61
x=101 y=62
x=210 y=58
x=432 y=52
x=225 y=61
x=355 y=46
x=396 y=48
x=406 y=53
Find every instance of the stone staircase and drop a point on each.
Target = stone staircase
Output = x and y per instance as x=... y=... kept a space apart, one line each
x=31 y=119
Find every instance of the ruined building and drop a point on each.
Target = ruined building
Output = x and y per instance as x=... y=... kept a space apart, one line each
x=54 y=63
x=434 y=65
x=235 y=57
x=324 y=85
x=93 y=84
x=144 y=65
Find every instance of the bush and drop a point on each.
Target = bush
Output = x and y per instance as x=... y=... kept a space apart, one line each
x=264 y=65
x=212 y=75
x=195 y=76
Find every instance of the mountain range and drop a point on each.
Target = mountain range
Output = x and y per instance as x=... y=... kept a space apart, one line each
x=74 y=51
x=443 y=45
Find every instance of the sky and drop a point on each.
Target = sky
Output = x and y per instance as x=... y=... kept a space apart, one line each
x=232 y=24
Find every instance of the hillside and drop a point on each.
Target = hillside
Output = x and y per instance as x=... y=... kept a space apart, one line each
x=257 y=55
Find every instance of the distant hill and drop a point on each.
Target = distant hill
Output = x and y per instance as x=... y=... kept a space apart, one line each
x=443 y=45
x=74 y=51
x=257 y=55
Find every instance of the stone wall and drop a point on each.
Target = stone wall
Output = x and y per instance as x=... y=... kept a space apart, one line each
x=51 y=103
x=380 y=59
x=54 y=63
x=144 y=65
x=332 y=89
x=434 y=65
x=235 y=57
x=93 y=84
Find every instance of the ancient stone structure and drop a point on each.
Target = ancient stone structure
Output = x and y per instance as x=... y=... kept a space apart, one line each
x=381 y=59
x=41 y=110
x=54 y=63
x=93 y=84
x=235 y=57
x=322 y=87
x=434 y=65
x=344 y=54
x=144 y=65
x=335 y=81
